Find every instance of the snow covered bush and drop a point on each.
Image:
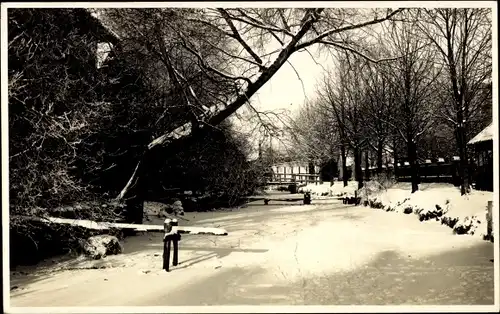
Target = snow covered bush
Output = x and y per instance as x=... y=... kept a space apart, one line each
x=449 y=221
x=408 y=210
x=440 y=202
x=375 y=203
x=101 y=245
x=467 y=225
x=378 y=184
x=431 y=213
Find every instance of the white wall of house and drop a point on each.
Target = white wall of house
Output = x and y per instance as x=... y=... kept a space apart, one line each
x=102 y=52
x=286 y=171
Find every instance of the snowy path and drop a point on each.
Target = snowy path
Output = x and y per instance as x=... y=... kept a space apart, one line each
x=326 y=253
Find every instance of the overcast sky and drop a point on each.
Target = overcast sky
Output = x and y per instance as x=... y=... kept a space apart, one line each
x=285 y=90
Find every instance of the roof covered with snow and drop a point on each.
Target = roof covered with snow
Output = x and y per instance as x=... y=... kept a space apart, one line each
x=485 y=135
x=97 y=16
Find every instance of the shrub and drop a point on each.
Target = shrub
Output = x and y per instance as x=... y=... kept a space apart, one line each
x=408 y=210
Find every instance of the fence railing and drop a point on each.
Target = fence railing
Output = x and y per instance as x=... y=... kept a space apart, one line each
x=294 y=177
x=445 y=172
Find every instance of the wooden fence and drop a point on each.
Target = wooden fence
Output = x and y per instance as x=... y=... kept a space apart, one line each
x=281 y=178
x=446 y=172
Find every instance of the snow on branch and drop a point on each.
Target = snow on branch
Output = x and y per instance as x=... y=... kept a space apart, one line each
x=259 y=24
x=183 y=130
x=129 y=183
x=237 y=36
x=327 y=33
x=203 y=64
x=357 y=52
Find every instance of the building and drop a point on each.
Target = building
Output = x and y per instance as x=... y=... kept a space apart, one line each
x=295 y=171
x=481 y=147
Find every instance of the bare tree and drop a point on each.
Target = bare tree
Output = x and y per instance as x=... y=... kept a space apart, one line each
x=312 y=134
x=415 y=74
x=378 y=108
x=250 y=32
x=463 y=38
x=343 y=95
x=340 y=100
x=332 y=102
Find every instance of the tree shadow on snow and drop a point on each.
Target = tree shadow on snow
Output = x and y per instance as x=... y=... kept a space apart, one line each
x=213 y=252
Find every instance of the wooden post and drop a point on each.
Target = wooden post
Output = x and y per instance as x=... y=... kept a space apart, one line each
x=167 y=227
x=175 y=240
x=307 y=198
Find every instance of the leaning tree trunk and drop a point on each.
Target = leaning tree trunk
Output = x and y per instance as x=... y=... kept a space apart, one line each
x=134 y=201
x=412 y=158
x=345 y=177
x=135 y=192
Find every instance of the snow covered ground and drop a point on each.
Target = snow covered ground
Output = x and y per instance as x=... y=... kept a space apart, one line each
x=432 y=198
x=299 y=254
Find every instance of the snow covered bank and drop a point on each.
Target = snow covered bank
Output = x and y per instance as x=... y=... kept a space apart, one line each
x=439 y=201
x=337 y=189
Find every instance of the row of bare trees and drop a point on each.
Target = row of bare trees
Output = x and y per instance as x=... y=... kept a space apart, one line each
x=437 y=88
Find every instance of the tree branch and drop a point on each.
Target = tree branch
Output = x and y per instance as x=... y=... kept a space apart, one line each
x=347 y=28
x=357 y=52
x=238 y=37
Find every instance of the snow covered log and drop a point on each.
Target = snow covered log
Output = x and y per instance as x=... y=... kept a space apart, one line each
x=199 y=230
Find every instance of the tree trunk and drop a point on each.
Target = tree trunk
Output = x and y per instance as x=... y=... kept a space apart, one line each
x=395 y=157
x=311 y=167
x=345 y=177
x=463 y=163
x=357 y=167
x=412 y=156
x=135 y=192
x=380 y=148
x=136 y=196
x=311 y=171
x=367 y=165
